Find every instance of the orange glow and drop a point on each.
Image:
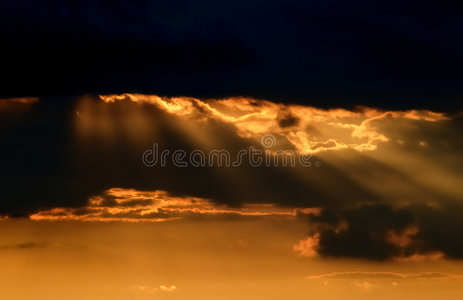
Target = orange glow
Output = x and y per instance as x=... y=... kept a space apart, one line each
x=390 y=275
x=22 y=100
x=129 y=205
x=17 y=104
x=314 y=130
x=308 y=247
x=432 y=256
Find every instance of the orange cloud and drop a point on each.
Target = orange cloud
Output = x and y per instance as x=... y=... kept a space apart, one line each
x=403 y=239
x=432 y=256
x=308 y=129
x=378 y=275
x=308 y=247
x=166 y=288
x=129 y=205
x=407 y=238
x=153 y=289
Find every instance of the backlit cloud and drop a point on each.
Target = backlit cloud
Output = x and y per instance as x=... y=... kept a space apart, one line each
x=129 y=205
x=154 y=289
x=308 y=129
x=308 y=247
x=379 y=275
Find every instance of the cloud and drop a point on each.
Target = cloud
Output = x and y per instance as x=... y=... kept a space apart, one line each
x=146 y=289
x=367 y=281
x=381 y=232
x=129 y=205
x=379 y=275
x=166 y=288
x=342 y=129
x=154 y=289
x=364 y=285
x=362 y=232
x=308 y=247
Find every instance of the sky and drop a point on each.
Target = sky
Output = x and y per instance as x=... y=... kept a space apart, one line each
x=324 y=53
x=252 y=149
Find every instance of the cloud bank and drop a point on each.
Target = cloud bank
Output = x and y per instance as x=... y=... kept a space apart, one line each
x=389 y=185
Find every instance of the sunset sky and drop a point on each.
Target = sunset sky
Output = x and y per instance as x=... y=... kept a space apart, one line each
x=241 y=149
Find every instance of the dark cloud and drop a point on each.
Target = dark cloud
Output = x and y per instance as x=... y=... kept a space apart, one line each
x=441 y=229
x=364 y=234
x=379 y=275
x=381 y=232
x=288 y=121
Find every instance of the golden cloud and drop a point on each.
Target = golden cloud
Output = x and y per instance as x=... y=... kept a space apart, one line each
x=130 y=205
x=308 y=247
x=379 y=275
x=308 y=129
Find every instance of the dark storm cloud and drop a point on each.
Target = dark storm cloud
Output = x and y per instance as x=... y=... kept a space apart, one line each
x=441 y=229
x=326 y=53
x=365 y=235
x=381 y=232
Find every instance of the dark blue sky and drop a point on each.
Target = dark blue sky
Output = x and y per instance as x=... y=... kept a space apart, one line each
x=324 y=53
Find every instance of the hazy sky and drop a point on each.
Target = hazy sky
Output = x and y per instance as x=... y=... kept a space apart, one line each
x=226 y=259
